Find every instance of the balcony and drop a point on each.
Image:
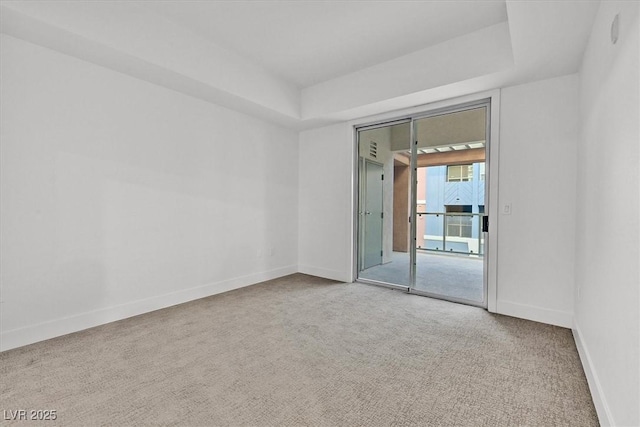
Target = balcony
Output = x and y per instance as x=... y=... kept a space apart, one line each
x=449 y=258
x=452 y=232
x=448 y=275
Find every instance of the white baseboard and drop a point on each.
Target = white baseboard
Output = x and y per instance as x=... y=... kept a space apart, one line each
x=55 y=328
x=340 y=276
x=537 y=314
x=599 y=401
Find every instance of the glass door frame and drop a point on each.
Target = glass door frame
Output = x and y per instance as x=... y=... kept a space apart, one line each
x=485 y=102
x=359 y=200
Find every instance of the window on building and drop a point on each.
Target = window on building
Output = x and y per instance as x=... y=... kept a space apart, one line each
x=459 y=220
x=482 y=173
x=459 y=173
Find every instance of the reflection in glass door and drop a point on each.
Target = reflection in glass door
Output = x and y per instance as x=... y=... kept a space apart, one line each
x=384 y=203
x=373 y=215
x=422 y=204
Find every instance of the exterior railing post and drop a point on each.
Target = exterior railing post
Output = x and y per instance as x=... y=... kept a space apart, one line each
x=444 y=232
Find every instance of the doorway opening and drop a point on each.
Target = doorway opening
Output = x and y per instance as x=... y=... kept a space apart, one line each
x=422 y=224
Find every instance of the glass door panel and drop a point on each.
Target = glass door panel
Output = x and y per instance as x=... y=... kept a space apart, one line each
x=450 y=201
x=384 y=204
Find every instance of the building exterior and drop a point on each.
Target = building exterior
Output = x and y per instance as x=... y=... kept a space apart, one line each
x=451 y=200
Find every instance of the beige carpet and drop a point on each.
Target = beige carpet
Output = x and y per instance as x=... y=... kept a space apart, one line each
x=305 y=351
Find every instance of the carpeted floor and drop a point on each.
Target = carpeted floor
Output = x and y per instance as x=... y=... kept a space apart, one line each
x=305 y=351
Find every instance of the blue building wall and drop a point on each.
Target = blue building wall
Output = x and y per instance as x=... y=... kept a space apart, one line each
x=439 y=193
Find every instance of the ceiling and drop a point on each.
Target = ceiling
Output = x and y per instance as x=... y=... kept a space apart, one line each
x=300 y=40
x=303 y=64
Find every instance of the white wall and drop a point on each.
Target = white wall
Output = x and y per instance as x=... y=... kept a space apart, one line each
x=326 y=202
x=607 y=302
x=538 y=143
x=120 y=197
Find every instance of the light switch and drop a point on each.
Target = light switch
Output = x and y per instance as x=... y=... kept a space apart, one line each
x=506 y=209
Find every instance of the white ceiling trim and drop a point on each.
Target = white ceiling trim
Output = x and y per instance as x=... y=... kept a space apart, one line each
x=540 y=40
x=480 y=53
x=137 y=35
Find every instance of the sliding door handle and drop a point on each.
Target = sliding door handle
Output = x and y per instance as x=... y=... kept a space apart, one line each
x=485 y=223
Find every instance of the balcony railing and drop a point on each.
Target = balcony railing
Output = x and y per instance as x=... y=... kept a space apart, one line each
x=453 y=232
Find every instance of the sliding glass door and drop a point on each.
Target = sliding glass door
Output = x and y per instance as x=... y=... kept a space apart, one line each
x=421 y=213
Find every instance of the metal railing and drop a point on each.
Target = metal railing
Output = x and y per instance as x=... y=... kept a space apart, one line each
x=452 y=232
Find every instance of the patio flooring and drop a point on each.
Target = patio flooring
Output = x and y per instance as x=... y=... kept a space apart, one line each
x=449 y=275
